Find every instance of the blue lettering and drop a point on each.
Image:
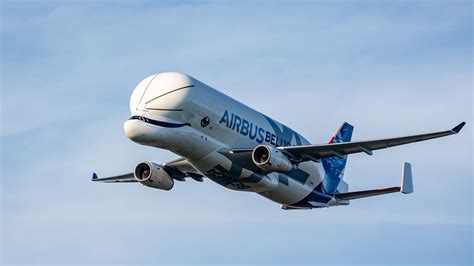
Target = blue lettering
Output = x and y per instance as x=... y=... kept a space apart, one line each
x=272 y=141
x=238 y=122
x=267 y=136
x=279 y=142
x=254 y=132
x=225 y=119
x=231 y=124
x=252 y=136
x=245 y=127
x=260 y=135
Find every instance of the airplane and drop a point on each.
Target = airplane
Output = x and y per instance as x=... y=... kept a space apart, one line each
x=239 y=148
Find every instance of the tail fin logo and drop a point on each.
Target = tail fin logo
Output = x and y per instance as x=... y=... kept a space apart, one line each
x=344 y=134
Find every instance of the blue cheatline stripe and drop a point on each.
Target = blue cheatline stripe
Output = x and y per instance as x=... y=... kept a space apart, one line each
x=158 y=123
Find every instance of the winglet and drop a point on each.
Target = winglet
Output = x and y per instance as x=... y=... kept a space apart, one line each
x=407 y=179
x=458 y=128
x=94 y=177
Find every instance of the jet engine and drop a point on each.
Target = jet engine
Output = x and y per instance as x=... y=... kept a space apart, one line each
x=271 y=159
x=152 y=175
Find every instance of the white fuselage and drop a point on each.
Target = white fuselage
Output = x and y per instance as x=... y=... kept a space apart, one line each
x=196 y=121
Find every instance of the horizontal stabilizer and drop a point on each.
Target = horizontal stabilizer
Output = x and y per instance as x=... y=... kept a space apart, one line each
x=367 y=193
x=406 y=187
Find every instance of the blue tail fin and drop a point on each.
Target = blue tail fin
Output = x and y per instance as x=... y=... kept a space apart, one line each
x=334 y=166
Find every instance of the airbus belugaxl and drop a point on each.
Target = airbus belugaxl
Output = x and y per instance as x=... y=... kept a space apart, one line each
x=241 y=149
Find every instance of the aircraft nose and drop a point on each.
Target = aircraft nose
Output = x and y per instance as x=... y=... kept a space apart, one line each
x=133 y=130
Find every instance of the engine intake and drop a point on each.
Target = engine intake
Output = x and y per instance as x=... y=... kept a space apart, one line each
x=271 y=159
x=152 y=175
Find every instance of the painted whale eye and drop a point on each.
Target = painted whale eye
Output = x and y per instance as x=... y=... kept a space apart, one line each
x=205 y=121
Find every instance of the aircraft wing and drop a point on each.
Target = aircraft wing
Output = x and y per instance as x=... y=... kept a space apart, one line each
x=126 y=178
x=315 y=152
x=178 y=169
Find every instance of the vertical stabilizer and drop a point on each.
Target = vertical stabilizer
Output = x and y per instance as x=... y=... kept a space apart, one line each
x=334 y=166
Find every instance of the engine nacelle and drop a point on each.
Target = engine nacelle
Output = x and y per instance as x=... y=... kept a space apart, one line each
x=152 y=175
x=271 y=159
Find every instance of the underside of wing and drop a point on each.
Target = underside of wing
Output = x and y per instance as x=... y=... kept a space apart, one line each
x=242 y=157
x=180 y=169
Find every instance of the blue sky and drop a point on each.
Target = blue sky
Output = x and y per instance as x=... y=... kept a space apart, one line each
x=388 y=68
